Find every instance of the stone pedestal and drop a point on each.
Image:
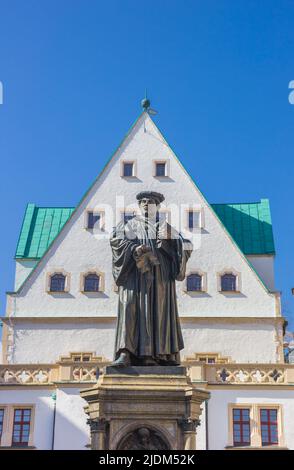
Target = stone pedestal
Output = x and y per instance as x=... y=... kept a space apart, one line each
x=144 y=408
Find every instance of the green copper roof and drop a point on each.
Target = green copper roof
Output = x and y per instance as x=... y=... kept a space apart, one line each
x=249 y=225
x=40 y=227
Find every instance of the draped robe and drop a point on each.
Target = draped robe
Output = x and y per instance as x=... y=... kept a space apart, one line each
x=148 y=322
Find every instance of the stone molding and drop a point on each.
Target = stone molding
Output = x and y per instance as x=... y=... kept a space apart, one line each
x=67 y=370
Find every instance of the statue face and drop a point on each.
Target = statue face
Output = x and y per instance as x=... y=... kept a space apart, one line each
x=148 y=207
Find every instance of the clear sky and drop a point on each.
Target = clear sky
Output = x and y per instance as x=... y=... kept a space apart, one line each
x=73 y=75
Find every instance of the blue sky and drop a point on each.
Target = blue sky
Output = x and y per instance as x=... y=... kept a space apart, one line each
x=74 y=72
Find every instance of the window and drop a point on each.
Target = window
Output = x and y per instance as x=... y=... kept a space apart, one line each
x=128 y=169
x=94 y=220
x=164 y=216
x=128 y=216
x=210 y=360
x=241 y=426
x=228 y=282
x=80 y=357
x=255 y=425
x=160 y=169
x=1 y=421
x=207 y=360
x=57 y=282
x=194 y=283
x=21 y=427
x=269 y=426
x=194 y=219
x=91 y=282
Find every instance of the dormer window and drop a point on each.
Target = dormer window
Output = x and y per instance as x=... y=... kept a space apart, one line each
x=91 y=282
x=228 y=282
x=57 y=282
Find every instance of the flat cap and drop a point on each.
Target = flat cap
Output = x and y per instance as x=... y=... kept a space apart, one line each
x=150 y=194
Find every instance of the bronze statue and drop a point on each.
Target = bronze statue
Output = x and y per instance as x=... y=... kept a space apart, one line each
x=148 y=257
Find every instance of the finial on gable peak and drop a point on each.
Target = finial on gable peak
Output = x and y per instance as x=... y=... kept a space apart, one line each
x=145 y=103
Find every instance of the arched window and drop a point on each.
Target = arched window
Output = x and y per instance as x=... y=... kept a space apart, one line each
x=228 y=282
x=194 y=283
x=57 y=282
x=91 y=282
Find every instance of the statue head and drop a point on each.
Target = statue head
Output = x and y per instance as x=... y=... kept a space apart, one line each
x=149 y=202
x=144 y=435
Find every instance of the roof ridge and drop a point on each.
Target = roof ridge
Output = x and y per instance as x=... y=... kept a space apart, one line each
x=213 y=203
x=226 y=203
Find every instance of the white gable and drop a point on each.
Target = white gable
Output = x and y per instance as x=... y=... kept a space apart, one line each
x=77 y=250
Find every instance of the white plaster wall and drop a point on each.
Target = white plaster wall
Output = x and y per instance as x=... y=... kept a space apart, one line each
x=201 y=430
x=76 y=249
x=264 y=265
x=45 y=343
x=71 y=429
x=242 y=342
x=23 y=267
x=218 y=412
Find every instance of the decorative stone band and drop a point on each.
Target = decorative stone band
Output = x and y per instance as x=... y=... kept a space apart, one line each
x=88 y=372
x=27 y=374
x=251 y=374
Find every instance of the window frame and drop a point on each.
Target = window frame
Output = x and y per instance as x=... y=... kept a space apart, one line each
x=101 y=282
x=201 y=282
x=134 y=168
x=268 y=423
x=203 y=286
x=255 y=425
x=7 y=433
x=187 y=211
x=101 y=226
x=21 y=422
x=66 y=283
x=166 y=162
x=241 y=422
x=96 y=277
x=238 y=281
x=280 y=423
